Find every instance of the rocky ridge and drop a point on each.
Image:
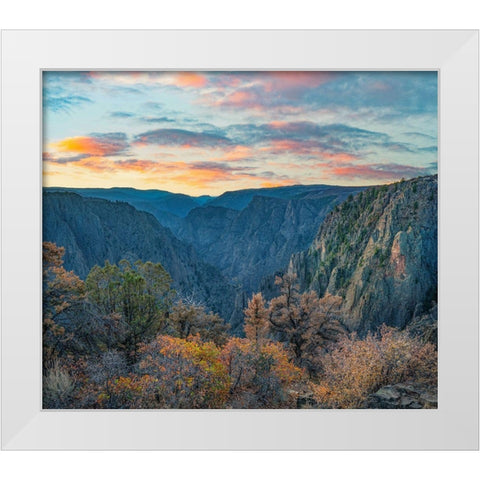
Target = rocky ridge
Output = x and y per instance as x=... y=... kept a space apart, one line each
x=94 y=230
x=378 y=250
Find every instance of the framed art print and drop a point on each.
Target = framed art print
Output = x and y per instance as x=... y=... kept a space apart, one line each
x=254 y=243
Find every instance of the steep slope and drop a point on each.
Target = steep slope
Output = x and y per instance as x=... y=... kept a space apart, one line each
x=248 y=244
x=378 y=251
x=247 y=234
x=94 y=230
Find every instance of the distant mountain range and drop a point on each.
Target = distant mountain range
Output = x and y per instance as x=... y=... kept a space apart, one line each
x=375 y=247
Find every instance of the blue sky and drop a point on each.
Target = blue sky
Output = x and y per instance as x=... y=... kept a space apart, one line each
x=210 y=132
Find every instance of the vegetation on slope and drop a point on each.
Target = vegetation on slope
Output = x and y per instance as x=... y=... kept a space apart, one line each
x=121 y=340
x=378 y=251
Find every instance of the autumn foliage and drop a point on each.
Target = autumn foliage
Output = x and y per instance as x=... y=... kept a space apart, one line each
x=357 y=367
x=185 y=374
x=262 y=376
x=256 y=320
x=305 y=322
x=125 y=339
x=63 y=294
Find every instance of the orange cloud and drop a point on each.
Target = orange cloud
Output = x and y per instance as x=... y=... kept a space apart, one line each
x=239 y=152
x=278 y=124
x=237 y=99
x=196 y=174
x=95 y=146
x=191 y=79
x=278 y=183
x=339 y=157
x=179 y=79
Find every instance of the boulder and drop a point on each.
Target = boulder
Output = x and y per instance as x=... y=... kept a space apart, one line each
x=403 y=395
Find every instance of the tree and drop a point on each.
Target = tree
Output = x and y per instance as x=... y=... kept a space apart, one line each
x=182 y=374
x=132 y=299
x=306 y=323
x=256 y=320
x=63 y=296
x=262 y=376
x=186 y=320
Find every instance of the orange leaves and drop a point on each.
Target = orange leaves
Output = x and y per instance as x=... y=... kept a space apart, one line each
x=262 y=376
x=189 y=374
x=125 y=392
x=62 y=292
x=256 y=319
x=357 y=367
x=304 y=321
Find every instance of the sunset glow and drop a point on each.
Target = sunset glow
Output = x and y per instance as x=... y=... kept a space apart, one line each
x=209 y=132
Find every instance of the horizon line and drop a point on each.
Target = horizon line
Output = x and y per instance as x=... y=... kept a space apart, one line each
x=238 y=190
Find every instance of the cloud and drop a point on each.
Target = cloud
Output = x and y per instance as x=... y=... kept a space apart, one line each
x=181 y=138
x=157 y=106
x=158 y=120
x=63 y=103
x=385 y=95
x=421 y=136
x=49 y=157
x=373 y=171
x=138 y=78
x=96 y=145
x=261 y=90
x=291 y=81
x=64 y=91
x=330 y=138
x=202 y=174
x=218 y=167
x=122 y=114
x=190 y=79
x=235 y=154
x=264 y=124
x=430 y=149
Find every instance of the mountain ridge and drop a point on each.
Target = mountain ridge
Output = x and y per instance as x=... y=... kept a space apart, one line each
x=93 y=230
x=378 y=251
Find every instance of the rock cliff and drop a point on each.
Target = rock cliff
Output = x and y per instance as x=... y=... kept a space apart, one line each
x=378 y=250
x=251 y=243
x=94 y=230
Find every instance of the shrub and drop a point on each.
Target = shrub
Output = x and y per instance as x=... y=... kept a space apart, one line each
x=262 y=375
x=355 y=367
x=58 y=387
x=180 y=373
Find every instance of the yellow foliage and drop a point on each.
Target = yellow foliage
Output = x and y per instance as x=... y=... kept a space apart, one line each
x=357 y=367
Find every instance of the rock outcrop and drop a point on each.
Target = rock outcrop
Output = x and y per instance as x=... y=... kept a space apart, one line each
x=251 y=243
x=404 y=395
x=94 y=230
x=378 y=250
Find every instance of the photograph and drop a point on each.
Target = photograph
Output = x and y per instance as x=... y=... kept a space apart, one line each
x=239 y=239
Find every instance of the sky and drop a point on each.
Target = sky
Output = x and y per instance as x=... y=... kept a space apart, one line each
x=204 y=133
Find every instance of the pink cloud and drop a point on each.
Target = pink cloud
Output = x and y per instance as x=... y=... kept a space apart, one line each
x=308 y=147
x=288 y=80
x=191 y=79
x=373 y=171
